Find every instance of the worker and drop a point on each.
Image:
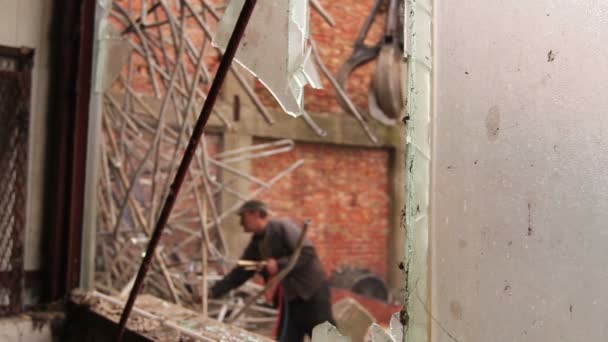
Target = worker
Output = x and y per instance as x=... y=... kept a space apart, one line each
x=303 y=296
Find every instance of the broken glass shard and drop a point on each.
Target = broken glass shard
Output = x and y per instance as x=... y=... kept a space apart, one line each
x=275 y=48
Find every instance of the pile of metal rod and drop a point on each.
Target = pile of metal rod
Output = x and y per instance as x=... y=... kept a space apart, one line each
x=143 y=141
x=150 y=110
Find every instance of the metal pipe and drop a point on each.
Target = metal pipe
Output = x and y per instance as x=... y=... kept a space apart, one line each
x=144 y=42
x=235 y=38
x=248 y=152
x=207 y=180
x=237 y=172
x=313 y=125
x=342 y=94
x=238 y=204
x=161 y=116
x=324 y=14
x=139 y=20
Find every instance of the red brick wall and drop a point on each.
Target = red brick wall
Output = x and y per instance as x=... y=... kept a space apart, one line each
x=334 y=43
x=344 y=191
x=140 y=79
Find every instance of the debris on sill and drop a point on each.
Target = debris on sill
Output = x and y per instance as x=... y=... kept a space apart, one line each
x=163 y=321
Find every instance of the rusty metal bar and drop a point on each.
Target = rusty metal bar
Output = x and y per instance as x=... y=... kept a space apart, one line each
x=79 y=147
x=237 y=34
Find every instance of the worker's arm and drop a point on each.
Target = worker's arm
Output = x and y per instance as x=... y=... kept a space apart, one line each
x=238 y=275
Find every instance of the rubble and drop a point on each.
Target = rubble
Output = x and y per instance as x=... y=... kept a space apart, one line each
x=160 y=320
x=352 y=319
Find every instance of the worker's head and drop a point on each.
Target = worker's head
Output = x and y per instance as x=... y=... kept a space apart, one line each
x=254 y=216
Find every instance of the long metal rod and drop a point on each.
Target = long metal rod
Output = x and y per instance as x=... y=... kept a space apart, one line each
x=139 y=20
x=144 y=43
x=157 y=143
x=324 y=14
x=342 y=94
x=224 y=156
x=235 y=38
x=240 y=202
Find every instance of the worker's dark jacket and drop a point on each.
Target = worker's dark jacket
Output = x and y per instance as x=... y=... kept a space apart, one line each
x=279 y=241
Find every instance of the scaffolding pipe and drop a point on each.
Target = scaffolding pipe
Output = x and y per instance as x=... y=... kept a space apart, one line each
x=235 y=38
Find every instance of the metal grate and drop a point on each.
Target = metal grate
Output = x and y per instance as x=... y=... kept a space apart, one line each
x=14 y=114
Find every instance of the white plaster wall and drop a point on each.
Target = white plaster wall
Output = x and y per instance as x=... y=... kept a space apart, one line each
x=27 y=23
x=519 y=211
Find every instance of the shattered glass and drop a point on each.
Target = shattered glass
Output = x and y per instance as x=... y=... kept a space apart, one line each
x=275 y=48
x=396 y=327
x=395 y=333
x=326 y=332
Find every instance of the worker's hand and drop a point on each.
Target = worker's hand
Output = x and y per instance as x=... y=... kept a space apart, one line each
x=272 y=266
